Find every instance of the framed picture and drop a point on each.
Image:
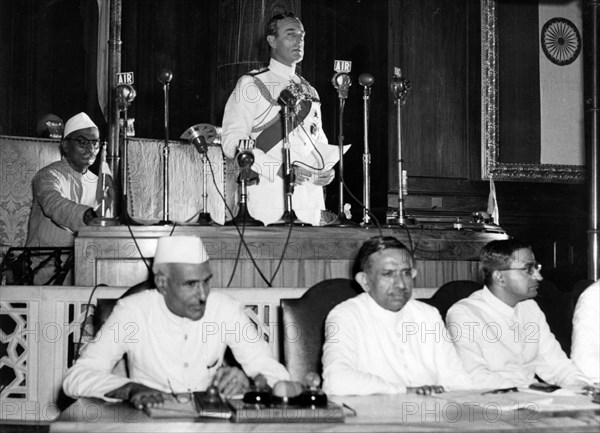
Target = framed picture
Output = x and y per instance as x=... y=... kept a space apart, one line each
x=532 y=91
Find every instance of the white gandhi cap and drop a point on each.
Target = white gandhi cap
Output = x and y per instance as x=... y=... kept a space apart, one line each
x=180 y=249
x=77 y=122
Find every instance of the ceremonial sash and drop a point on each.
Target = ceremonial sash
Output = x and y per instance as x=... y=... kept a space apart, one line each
x=274 y=132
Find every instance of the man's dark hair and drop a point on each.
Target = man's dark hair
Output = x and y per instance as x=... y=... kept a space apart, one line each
x=375 y=244
x=271 y=26
x=496 y=255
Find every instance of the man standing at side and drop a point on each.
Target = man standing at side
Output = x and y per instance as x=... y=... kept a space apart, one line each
x=500 y=332
x=174 y=337
x=253 y=111
x=383 y=342
x=65 y=192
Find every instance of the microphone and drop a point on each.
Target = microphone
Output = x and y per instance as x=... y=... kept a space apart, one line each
x=165 y=76
x=287 y=98
x=366 y=80
x=399 y=85
x=341 y=80
x=201 y=136
x=245 y=159
x=125 y=95
x=245 y=155
x=200 y=144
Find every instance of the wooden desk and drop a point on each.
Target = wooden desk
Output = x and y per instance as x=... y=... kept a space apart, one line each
x=110 y=255
x=384 y=413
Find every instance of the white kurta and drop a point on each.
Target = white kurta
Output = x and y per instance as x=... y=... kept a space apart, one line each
x=61 y=196
x=162 y=347
x=370 y=350
x=502 y=346
x=586 y=329
x=247 y=114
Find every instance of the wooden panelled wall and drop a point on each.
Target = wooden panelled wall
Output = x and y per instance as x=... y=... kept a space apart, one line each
x=46 y=49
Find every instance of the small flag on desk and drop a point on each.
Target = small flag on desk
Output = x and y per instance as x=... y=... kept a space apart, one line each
x=492 y=207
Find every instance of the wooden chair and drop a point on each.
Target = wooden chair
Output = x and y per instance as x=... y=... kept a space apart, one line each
x=303 y=324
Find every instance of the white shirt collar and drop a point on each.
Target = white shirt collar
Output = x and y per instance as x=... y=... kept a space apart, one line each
x=381 y=312
x=497 y=303
x=279 y=68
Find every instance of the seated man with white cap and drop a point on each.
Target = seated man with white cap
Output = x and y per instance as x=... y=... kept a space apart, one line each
x=65 y=192
x=174 y=337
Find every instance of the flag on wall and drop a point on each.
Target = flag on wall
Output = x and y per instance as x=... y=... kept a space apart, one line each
x=492 y=207
x=540 y=76
x=561 y=83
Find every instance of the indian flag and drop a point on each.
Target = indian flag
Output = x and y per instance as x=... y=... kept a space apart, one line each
x=541 y=82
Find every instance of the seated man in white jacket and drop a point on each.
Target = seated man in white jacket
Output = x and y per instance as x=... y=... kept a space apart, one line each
x=383 y=342
x=174 y=337
x=500 y=332
x=585 y=348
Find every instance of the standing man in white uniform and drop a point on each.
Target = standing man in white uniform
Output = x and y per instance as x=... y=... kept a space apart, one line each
x=254 y=112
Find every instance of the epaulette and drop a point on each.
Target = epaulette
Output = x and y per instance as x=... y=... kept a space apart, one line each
x=258 y=71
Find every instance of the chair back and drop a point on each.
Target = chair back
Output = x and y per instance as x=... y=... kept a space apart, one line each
x=450 y=293
x=303 y=323
x=104 y=306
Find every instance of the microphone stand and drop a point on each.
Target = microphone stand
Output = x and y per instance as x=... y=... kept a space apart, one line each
x=126 y=95
x=341 y=82
x=289 y=217
x=366 y=80
x=399 y=87
x=245 y=178
x=204 y=218
x=201 y=136
x=165 y=77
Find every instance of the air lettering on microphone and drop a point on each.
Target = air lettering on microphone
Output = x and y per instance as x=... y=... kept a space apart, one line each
x=344 y=66
x=124 y=78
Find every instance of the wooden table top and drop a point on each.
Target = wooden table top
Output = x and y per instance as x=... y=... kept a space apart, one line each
x=455 y=412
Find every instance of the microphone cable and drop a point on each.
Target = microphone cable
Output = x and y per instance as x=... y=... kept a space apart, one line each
x=242 y=240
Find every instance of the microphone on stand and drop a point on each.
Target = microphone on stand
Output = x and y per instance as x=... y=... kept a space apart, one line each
x=201 y=136
x=245 y=159
x=165 y=76
x=400 y=87
x=289 y=101
x=341 y=82
x=288 y=98
x=366 y=80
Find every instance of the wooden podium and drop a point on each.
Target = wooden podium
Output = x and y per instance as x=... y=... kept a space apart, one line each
x=111 y=255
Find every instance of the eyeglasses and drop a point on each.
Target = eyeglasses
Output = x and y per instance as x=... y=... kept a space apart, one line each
x=84 y=144
x=530 y=268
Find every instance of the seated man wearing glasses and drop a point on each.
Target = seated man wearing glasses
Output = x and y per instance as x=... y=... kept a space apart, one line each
x=384 y=342
x=500 y=332
x=65 y=193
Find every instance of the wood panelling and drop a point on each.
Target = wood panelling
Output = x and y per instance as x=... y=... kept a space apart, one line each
x=429 y=41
